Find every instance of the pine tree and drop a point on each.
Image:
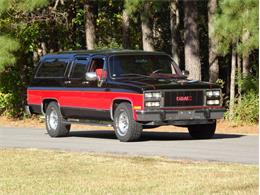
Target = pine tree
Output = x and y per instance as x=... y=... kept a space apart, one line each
x=191 y=40
x=175 y=21
x=90 y=24
x=235 y=19
x=236 y=26
x=213 y=58
x=125 y=28
x=9 y=44
x=144 y=8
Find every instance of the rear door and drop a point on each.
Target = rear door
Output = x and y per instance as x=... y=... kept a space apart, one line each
x=76 y=86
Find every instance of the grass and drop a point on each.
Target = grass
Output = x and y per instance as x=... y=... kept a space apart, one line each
x=29 y=171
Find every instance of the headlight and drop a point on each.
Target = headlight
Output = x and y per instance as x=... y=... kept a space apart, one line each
x=213 y=102
x=153 y=95
x=211 y=93
x=152 y=104
x=216 y=93
x=148 y=95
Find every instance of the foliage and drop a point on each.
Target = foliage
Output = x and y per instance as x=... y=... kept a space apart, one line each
x=246 y=110
x=7 y=47
x=221 y=83
x=235 y=18
x=21 y=5
x=27 y=26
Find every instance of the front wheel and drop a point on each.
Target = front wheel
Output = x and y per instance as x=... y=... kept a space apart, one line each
x=204 y=131
x=54 y=121
x=126 y=128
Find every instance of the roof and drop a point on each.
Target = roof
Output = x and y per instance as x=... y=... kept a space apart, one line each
x=72 y=53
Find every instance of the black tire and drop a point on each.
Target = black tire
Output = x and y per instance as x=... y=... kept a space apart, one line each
x=133 y=130
x=204 y=131
x=61 y=129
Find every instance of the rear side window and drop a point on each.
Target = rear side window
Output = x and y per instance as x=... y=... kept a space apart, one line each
x=52 y=68
x=79 y=68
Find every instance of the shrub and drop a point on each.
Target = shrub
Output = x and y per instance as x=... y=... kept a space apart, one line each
x=5 y=100
x=246 y=110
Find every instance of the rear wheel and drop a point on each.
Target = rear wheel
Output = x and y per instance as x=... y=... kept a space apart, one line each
x=204 y=131
x=126 y=128
x=54 y=121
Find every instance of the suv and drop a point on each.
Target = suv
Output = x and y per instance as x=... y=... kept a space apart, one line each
x=134 y=89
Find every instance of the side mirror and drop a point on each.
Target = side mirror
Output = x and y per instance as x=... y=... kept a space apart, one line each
x=91 y=76
x=185 y=73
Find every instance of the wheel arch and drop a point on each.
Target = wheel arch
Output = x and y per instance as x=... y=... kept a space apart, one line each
x=116 y=102
x=45 y=103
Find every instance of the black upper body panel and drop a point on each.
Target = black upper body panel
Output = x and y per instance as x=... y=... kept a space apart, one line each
x=134 y=84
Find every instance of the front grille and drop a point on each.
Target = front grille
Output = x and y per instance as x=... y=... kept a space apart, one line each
x=183 y=98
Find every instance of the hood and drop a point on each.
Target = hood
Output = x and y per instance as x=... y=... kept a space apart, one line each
x=166 y=83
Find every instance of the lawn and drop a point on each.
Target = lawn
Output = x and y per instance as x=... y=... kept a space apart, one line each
x=31 y=171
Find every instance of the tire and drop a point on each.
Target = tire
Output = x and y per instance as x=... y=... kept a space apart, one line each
x=126 y=128
x=205 y=131
x=55 y=128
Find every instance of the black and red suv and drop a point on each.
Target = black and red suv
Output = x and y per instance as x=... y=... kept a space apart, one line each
x=134 y=89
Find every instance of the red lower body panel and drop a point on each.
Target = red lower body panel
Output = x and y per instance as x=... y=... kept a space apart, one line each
x=83 y=99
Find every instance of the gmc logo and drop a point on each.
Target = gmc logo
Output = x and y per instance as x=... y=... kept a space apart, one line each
x=184 y=98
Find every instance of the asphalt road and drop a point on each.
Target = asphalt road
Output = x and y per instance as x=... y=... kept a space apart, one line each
x=223 y=147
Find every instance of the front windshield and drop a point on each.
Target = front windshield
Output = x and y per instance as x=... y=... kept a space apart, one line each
x=143 y=65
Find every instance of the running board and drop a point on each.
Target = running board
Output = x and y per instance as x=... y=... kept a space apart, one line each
x=88 y=122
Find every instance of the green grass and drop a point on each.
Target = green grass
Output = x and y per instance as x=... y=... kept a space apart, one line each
x=52 y=172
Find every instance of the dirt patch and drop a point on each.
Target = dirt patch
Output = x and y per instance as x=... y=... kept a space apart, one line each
x=222 y=126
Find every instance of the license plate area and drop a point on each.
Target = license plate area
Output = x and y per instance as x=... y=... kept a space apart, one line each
x=186 y=114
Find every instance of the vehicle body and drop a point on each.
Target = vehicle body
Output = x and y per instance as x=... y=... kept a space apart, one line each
x=134 y=89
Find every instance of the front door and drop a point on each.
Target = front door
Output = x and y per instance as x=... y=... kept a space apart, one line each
x=86 y=96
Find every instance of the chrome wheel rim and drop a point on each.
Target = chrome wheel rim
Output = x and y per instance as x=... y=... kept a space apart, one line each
x=123 y=123
x=53 y=119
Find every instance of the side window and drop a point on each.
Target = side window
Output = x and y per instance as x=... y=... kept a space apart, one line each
x=96 y=63
x=79 y=68
x=52 y=68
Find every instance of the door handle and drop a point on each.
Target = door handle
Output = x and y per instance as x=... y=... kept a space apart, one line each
x=67 y=82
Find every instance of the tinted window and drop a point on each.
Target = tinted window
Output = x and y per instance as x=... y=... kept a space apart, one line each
x=79 y=68
x=124 y=65
x=52 y=68
x=96 y=63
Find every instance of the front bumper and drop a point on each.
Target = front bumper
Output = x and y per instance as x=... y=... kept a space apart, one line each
x=179 y=115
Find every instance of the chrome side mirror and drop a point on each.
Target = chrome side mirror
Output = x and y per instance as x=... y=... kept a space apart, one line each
x=185 y=73
x=91 y=76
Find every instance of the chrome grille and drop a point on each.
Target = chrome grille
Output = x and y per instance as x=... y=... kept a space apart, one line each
x=183 y=98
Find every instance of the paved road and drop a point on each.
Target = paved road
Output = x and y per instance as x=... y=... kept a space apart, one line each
x=223 y=147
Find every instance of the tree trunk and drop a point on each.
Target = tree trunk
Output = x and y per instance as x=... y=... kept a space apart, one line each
x=125 y=27
x=246 y=68
x=175 y=21
x=90 y=24
x=146 y=29
x=232 y=85
x=239 y=74
x=213 y=58
x=191 y=40
x=44 y=48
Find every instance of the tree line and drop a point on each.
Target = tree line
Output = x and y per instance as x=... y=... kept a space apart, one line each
x=215 y=40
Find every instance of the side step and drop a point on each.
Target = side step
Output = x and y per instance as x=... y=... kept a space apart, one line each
x=89 y=122
x=85 y=122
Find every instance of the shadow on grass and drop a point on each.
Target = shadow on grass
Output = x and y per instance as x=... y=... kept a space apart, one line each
x=148 y=135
